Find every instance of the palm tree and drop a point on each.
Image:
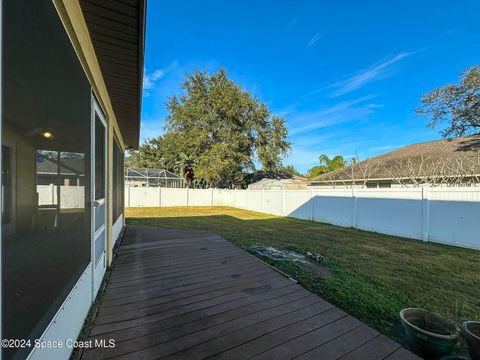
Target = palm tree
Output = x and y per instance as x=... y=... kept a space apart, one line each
x=326 y=165
x=337 y=162
x=185 y=165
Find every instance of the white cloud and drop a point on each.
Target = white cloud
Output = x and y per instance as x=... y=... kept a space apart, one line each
x=290 y=109
x=292 y=24
x=316 y=91
x=150 y=79
x=345 y=111
x=314 y=39
x=365 y=76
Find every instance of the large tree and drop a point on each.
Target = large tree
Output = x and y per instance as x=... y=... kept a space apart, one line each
x=290 y=170
x=457 y=105
x=223 y=129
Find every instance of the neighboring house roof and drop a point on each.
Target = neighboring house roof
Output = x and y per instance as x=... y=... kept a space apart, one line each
x=447 y=158
x=259 y=175
x=282 y=183
x=68 y=166
x=300 y=178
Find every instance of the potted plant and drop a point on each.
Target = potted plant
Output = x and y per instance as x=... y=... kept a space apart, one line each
x=429 y=333
x=471 y=329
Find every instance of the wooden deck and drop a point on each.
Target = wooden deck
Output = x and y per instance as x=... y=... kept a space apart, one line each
x=181 y=294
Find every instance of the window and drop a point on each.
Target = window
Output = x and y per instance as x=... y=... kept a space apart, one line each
x=46 y=126
x=118 y=181
x=60 y=175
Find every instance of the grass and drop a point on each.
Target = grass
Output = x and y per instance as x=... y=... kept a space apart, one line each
x=375 y=275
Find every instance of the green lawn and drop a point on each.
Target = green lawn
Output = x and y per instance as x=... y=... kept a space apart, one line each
x=375 y=275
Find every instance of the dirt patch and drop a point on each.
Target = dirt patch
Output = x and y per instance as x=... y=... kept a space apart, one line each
x=318 y=269
x=313 y=262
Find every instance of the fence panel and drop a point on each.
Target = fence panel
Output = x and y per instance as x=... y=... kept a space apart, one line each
x=223 y=197
x=200 y=197
x=72 y=197
x=255 y=201
x=240 y=199
x=298 y=204
x=174 y=197
x=392 y=211
x=444 y=215
x=273 y=202
x=454 y=217
x=333 y=206
x=144 y=196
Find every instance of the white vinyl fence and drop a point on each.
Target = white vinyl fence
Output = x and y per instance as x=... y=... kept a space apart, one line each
x=71 y=197
x=444 y=215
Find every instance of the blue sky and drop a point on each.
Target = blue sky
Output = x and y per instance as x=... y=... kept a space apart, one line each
x=346 y=75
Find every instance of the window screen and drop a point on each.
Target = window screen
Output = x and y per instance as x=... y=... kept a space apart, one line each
x=118 y=181
x=46 y=125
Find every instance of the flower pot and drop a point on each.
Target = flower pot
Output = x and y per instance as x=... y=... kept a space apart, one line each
x=428 y=333
x=471 y=329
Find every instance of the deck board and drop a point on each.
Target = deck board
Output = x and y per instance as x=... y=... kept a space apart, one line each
x=185 y=294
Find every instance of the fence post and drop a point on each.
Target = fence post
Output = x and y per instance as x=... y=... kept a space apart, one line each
x=234 y=197
x=425 y=213
x=211 y=196
x=312 y=207
x=283 y=203
x=52 y=193
x=159 y=196
x=263 y=200
x=354 y=206
x=187 y=195
x=246 y=201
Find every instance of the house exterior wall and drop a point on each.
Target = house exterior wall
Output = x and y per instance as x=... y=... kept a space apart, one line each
x=71 y=15
x=47 y=264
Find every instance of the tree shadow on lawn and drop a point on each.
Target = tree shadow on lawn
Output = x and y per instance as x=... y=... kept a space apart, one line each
x=375 y=275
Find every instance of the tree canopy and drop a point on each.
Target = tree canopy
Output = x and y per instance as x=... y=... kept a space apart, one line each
x=215 y=132
x=289 y=169
x=148 y=155
x=458 y=105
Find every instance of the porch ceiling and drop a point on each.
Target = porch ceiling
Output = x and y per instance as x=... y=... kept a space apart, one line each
x=117 y=30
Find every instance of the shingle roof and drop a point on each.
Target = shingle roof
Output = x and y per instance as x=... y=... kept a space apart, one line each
x=68 y=166
x=442 y=158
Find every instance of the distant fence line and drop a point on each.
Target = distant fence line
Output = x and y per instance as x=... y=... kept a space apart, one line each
x=438 y=214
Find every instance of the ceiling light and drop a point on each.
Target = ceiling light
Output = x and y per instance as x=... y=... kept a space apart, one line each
x=47 y=134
